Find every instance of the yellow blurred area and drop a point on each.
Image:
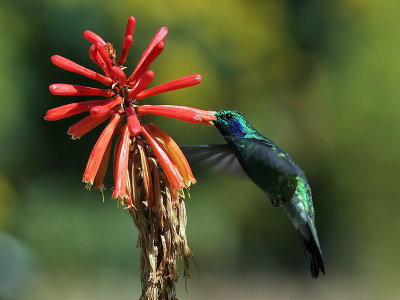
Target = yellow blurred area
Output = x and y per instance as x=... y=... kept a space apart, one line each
x=319 y=78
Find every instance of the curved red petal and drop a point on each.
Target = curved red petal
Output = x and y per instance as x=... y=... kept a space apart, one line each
x=77 y=90
x=121 y=165
x=182 y=113
x=141 y=84
x=128 y=39
x=158 y=37
x=93 y=37
x=85 y=125
x=102 y=110
x=71 y=66
x=95 y=56
x=176 y=154
x=117 y=73
x=71 y=109
x=104 y=55
x=179 y=83
x=99 y=149
x=170 y=170
x=133 y=122
x=101 y=173
x=146 y=62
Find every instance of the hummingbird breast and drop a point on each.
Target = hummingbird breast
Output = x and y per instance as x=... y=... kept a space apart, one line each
x=275 y=182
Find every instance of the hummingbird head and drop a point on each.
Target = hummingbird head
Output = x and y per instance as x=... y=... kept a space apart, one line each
x=232 y=123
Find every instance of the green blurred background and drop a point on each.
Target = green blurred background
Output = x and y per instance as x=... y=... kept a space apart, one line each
x=319 y=78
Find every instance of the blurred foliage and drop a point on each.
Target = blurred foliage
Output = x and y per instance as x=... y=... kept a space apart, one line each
x=320 y=79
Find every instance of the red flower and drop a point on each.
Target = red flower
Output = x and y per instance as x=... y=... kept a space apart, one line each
x=124 y=92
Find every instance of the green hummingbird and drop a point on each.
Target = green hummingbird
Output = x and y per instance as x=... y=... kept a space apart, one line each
x=271 y=169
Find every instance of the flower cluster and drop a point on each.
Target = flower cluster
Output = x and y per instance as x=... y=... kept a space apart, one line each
x=150 y=171
x=123 y=98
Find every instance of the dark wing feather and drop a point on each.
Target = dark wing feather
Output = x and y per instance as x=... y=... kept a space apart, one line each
x=217 y=158
x=268 y=154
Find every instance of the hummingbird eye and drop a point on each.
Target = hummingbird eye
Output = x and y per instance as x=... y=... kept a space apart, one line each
x=228 y=116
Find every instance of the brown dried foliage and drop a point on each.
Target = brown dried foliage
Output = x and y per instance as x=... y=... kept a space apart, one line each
x=160 y=217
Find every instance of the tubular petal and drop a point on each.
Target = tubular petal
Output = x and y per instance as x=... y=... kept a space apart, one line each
x=116 y=72
x=121 y=165
x=101 y=173
x=134 y=126
x=126 y=46
x=71 y=109
x=71 y=66
x=104 y=56
x=102 y=110
x=77 y=90
x=141 y=84
x=170 y=170
x=85 y=125
x=152 y=55
x=99 y=149
x=207 y=116
x=93 y=37
x=95 y=56
x=176 y=154
x=147 y=180
x=128 y=39
x=158 y=37
x=177 y=112
x=179 y=83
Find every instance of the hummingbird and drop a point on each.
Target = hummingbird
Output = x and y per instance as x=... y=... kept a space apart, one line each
x=271 y=169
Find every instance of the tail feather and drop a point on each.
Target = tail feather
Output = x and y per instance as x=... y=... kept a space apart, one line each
x=312 y=252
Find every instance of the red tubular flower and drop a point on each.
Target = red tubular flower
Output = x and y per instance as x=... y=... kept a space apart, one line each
x=95 y=56
x=85 y=125
x=176 y=84
x=99 y=149
x=71 y=109
x=206 y=116
x=174 y=177
x=128 y=39
x=121 y=166
x=159 y=37
x=183 y=113
x=77 y=90
x=101 y=173
x=93 y=37
x=71 y=66
x=104 y=109
x=176 y=154
x=104 y=56
x=141 y=84
x=134 y=126
x=118 y=74
x=147 y=61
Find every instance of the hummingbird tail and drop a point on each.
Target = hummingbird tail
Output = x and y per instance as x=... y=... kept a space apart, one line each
x=312 y=251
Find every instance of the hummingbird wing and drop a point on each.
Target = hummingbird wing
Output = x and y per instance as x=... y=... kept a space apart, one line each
x=217 y=158
x=268 y=154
